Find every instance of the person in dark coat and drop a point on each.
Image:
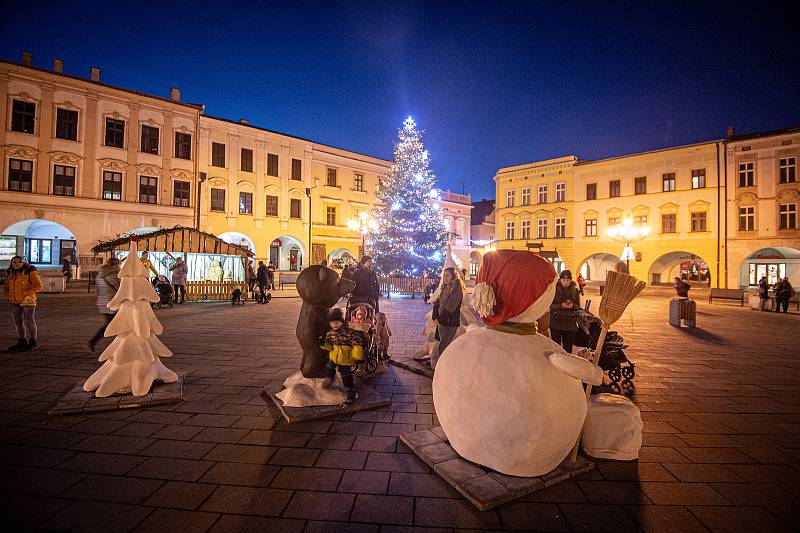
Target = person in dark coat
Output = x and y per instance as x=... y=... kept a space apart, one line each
x=564 y=311
x=447 y=312
x=783 y=292
x=682 y=288
x=763 y=294
x=367 y=290
x=262 y=277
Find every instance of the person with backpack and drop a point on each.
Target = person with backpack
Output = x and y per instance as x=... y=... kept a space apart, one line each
x=21 y=285
x=107 y=286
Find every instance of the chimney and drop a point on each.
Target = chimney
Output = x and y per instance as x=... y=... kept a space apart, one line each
x=730 y=132
x=58 y=66
x=27 y=59
x=175 y=94
x=95 y=74
x=244 y=121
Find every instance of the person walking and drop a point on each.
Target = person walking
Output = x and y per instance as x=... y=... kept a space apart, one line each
x=252 y=279
x=782 y=296
x=20 y=288
x=270 y=276
x=447 y=312
x=107 y=286
x=564 y=311
x=763 y=294
x=263 y=279
x=179 y=272
x=367 y=290
x=581 y=284
x=66 y=269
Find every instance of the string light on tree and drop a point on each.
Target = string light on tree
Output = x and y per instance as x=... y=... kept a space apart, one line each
x=412 y=227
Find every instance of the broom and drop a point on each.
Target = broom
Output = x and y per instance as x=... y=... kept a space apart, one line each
x=620 y=290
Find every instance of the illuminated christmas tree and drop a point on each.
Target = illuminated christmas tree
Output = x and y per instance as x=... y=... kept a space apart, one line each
x=411 y=233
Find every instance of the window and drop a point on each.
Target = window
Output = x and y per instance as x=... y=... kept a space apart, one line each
x=297 y=169
x=245 y=203
x=115 y=133
x=272 y=206
x=358 y=182
x=640 y=185
x=218 y=155
x=294 y=208
x=526 y=196
x=330 y=216
x=561 y=192
x=218 y=199
x=747 y=218
x=788 y=214
x=699 y=221
x=526 y=229
x=63 y=180
x=613 y=221
x=668 y=223
x=747 y=174
x=699 y=179
x=66 y=124
x=591 y=227
x=183 y=145
x=787 y=170
x=149 y=143
x=772 y=271
x=23 y=116
x=246 y=160
x=640 y=220
x=180 y=194
x=112 y=185
x=148 y=190
x=541 y=228
x=591 y=191
x=272 y=165
x=541 y=193
x=510 y=230
x=331 y=177
x=613 y=189
x=20 y=175
x=40 y=250
x=668 y=181
x=561 y=228
x=510 y=194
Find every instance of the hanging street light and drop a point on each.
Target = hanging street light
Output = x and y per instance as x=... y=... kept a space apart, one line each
x=628 y=232
x=363 y=225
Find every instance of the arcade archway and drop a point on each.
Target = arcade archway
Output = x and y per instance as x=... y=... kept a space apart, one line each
x=287 y=253
x=596 y=266
x=40 y=242
x=341 y=257
x=773 y=262
x=240 y=239
x=685 y=265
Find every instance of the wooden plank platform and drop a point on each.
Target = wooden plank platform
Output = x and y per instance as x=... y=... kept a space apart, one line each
x=409 y=364
x=368 y=398
x=78 y=400
x=482 y=486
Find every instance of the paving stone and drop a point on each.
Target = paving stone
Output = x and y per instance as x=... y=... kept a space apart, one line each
x=666 y=519
x=97 y=516
x=25 y=512
x=175 y=432
x=247 y=500
x=276 y=438
x=600 y=518
x=332 y=442
x=113 y=444
x=172 y=469
x=437 y=512
x=253 y=475
x=116 y=489
x=421 y=438
x=662 y=493
x=436 y=453
x=39 y=481
x=390 y=462
x=177 y=448
x=364 y=482
x=240 y=453
x=757 y=494
x=458 y=470
x=180 y=495
x=315 y=526
x=738 y=519
x=29 y=456
x=532 y=516
x=173 y=520
x=291 y=477
x=633 y=471
x=702 y=472
x=383 y=509
x=102 y=463
x=294 y=457
x=320 y=506
x=227 y=523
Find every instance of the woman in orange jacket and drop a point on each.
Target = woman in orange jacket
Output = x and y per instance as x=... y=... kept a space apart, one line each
x=21 y=285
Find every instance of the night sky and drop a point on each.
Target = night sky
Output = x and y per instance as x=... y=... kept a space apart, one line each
x=492 y=83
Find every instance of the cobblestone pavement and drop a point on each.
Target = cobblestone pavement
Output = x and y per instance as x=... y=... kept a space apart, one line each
x=721 y=444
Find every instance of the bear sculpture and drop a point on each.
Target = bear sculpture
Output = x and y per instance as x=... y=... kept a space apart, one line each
x=320 y=288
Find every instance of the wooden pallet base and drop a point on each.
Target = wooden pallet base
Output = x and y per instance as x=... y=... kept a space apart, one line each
x=412 y=366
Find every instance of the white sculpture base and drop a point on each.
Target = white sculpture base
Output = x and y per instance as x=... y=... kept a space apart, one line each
x=135 y=377
x=300 y=391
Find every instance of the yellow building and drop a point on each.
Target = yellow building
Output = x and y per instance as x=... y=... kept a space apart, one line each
x=83 y=161
x=534 y=209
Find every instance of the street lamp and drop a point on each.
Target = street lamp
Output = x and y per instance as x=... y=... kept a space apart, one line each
x=363 y=224
x=310 y=217
x=627 y=232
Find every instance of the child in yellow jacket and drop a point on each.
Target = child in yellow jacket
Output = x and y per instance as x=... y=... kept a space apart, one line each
x=344 y=347
x=20 y=288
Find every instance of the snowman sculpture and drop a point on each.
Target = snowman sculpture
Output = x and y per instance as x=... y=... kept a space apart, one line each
x=507 y=397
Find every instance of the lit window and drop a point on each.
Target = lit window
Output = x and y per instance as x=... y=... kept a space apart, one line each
x=591 y=227
x=20 y=175
x=245 y=203
x=148 y=190
x=63 y=180
x=112 y=185
x=698 y=179
x=358 y=182
x=668 y=181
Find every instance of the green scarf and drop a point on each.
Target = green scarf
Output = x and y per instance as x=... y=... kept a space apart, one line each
x=516 y=328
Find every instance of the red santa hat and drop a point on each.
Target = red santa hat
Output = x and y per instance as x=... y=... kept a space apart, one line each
x=514 y=286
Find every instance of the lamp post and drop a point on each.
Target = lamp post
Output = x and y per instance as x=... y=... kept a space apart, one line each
x=627 y=232
x=363 y=224
x=310 y=217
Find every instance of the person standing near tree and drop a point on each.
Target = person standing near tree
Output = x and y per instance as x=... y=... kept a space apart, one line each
x=367 y=290
x=447 y=311
x=107 y=286
x=145 y=259
x=179 y=273
x=20 y=288
x=564 y=311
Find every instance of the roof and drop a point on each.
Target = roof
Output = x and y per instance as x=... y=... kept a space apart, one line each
x=759 y=134
x=481 y=210
x=178 y=239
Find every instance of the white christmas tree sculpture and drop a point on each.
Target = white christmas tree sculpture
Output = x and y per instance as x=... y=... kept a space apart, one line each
x=132 y=359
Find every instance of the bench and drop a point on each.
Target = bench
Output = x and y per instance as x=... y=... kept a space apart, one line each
x=726 y=294
x=288 y=278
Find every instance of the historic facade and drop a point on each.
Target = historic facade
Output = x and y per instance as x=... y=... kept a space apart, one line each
x=457 y=210
x=721 y=213
x=84 y=161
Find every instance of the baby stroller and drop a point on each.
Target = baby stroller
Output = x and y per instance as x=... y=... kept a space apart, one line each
x=164 y=289
x=366 y=326
x=613 y=359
